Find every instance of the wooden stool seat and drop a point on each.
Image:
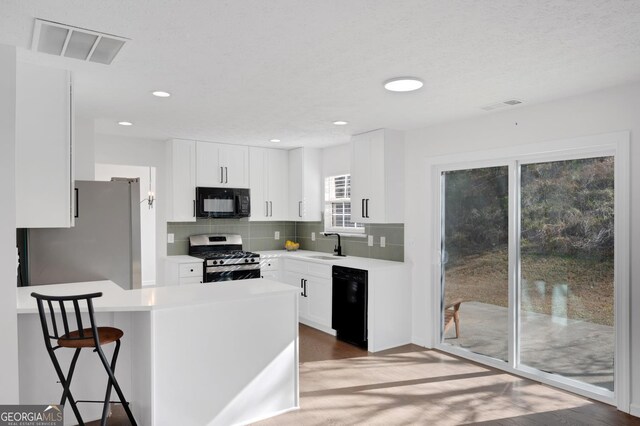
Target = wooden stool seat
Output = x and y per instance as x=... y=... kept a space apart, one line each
x=106 y=335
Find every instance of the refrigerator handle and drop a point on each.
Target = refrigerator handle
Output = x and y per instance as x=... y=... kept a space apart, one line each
x=194 y=208
x=77 y=212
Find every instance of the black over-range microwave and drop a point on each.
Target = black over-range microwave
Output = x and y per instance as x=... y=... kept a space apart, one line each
x=222 y=202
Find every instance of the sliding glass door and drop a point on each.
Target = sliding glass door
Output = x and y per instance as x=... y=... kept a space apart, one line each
x=567 y=269
x=528 y=254
x=475 y=259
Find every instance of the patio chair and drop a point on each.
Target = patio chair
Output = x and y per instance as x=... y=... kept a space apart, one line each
x=452 y=316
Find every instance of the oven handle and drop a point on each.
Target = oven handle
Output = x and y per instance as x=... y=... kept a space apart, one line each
x=233 y=268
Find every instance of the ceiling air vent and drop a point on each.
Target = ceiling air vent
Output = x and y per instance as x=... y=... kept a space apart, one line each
x=77 y=43
x=504 y=104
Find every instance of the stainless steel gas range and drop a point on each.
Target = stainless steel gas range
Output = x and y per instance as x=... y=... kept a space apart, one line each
x=224 y=259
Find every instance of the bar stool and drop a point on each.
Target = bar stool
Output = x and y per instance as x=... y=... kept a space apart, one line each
x=78 y=339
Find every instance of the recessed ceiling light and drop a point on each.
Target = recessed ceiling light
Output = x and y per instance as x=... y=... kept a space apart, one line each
x=403 y=84
x=125 y=123
x=161 y=94
x=274 y=140
x=340 y=123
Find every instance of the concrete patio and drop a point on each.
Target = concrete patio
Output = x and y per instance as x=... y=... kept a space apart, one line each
x=575 y=349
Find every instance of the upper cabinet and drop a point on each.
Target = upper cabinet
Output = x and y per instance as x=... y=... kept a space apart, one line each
x=44 y=148
x=305 y=183
x=221 y=165
x=181 y=167
x=269 y=173
x=377 y=177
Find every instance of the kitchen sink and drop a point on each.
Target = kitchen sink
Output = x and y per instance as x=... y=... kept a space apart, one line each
x=325 y=257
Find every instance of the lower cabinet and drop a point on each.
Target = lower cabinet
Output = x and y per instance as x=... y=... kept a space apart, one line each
x=270 y=269
x=314 y=282
x=183 y=271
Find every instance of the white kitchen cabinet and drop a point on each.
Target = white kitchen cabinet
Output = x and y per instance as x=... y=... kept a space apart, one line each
x=181 y=167
x=270 y=268
x=44 y=148
x=180 y=270
x=377 y=177
x=221 y=165
x=305 y=185
x=268 y=177
x=314 y=282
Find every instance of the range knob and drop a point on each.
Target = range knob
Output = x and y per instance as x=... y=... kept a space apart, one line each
x=246 y=261
x=215 y=262
x=221 y=262
x=253 y=260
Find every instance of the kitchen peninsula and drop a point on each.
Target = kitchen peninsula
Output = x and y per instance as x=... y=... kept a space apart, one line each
x=191 y=355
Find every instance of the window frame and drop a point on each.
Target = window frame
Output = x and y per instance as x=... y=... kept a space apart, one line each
x=359 y=230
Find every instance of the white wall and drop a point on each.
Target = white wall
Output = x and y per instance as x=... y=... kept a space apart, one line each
x=604 y=111
x=8 y=316
x=147 y=176
x=141 y=152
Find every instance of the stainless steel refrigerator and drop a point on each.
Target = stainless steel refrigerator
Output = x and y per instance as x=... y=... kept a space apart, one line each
x=103 y=244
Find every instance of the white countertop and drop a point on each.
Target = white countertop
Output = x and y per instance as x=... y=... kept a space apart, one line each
x=348 y=261
x=183 y=259
x=115 y=298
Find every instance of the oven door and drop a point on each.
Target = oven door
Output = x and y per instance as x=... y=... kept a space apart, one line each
x=231 y=273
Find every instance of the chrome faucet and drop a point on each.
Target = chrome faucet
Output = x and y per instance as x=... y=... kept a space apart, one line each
x=338 y=249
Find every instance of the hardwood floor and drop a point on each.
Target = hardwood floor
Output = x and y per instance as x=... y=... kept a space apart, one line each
x=341 y=384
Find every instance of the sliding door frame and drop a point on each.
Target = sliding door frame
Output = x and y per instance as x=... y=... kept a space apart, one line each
x=610 y=144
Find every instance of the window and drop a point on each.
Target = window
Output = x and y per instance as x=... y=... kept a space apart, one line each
x=337 y=207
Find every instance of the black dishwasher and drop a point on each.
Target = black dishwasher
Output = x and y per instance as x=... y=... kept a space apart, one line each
x=349 y=305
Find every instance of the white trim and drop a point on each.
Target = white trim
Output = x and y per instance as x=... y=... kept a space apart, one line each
x=609 y=144
x=622 y=268
x=635 y=410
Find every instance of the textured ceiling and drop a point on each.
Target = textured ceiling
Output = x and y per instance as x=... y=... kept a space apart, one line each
x=247 y=71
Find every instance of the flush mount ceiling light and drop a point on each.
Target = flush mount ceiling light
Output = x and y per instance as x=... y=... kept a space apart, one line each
x=161 y=94
x=274 y=140
x=59 y=39
x=125 y=123
x=403 y=84
x=340 y=123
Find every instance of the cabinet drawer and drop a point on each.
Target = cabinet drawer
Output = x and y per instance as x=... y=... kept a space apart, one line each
x=296 y=266
x=322 y=271
x=191 y=270
x=190 y=280
x=269 y=265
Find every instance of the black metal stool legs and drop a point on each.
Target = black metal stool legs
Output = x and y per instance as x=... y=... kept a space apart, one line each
x=66 y=382
x=114 y=382
x=105 y=409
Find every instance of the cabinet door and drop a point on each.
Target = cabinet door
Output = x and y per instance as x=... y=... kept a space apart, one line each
x=295 y=184
x=209 y=171
x=295 y=279
x=44 y=165
x=183 y=181
x=319 y=300
x=360 y=175
x=258 y=183
x=277 y=183
x=375 y=203
x=235 y=161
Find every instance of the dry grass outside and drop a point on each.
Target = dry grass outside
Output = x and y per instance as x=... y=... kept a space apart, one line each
x=589 y=284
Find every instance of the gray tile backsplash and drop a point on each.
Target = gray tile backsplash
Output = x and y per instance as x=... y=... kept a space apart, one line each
x=255 y=235
x=258 y=236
